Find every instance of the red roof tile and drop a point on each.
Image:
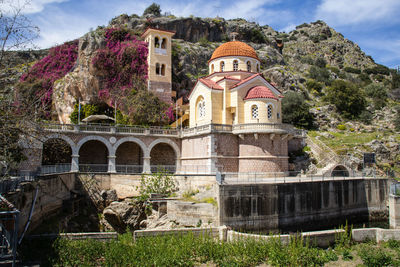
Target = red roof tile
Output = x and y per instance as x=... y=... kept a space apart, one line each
x=259 y=92
x=211 y=84
x=246 y=80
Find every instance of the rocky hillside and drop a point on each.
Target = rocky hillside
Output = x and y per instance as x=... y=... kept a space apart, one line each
x=307 y=60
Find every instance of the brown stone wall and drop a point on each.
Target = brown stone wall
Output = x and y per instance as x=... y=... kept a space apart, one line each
x=162 y=90
x=263 y=164
x=262 y=146
x=195 y=146
x=93 y=152
x=226 y=145
x=162 y=154
x=129 y=153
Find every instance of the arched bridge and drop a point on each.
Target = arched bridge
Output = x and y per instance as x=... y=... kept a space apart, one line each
x=105 y=148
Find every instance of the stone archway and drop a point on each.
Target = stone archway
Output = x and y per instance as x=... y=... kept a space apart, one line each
x=340 y=171
x=164 y=155
x=94 y=154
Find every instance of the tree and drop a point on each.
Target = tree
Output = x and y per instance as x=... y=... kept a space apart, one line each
x=16 y=30
x=17 y=123
x=296 y=111
x=348 y=99
x=153 y=9
x=378 y=93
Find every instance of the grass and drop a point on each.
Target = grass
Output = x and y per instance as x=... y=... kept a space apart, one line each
x=189 y=250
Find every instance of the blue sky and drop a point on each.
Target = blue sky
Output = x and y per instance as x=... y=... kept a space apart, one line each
x=374 y=25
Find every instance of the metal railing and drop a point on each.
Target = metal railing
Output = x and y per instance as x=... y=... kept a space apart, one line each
x=12 y=183
x=58 y=168
x=208 y=128
x=163 y=168
x=129 y=169
x=108 y=128
x=262 y=127
x=199 y=169
x=287 y=177
x=95 y=168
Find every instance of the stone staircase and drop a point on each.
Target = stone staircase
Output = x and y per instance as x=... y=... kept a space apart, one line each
x=327 y=158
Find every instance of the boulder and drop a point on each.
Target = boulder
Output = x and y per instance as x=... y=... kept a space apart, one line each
x=125 y=215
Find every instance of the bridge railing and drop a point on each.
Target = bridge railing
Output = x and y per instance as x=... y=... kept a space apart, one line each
x=153 y=130
x=94 y=168
x=108 y=128
x=129 y=169
x=163 y=168
x=58 y=168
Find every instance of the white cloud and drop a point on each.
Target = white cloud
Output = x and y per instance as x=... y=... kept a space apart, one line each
x=288 y=28
x=344 y=12
x=28 y=6
x=386 y=50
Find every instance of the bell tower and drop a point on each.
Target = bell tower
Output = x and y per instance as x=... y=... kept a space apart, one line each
x=159 y=62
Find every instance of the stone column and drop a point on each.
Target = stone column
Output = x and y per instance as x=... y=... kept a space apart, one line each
x=394 y=211
x=178 y=165
x=111 y=164
x=75 y=163
x=146 y=165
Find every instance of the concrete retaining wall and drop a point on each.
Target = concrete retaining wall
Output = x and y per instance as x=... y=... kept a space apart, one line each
x=302 y=206
x=53 y=191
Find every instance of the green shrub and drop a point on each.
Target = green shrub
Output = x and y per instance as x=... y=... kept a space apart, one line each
x=203 y=41
x=334 y=70
x=378 y=69
x=319 y=74
x=153 y=9
x=341 y=127
x=364 y=78
x=397 y=120
x=314 y=38
x=320 y=62
x=374 y=256
x=307 y=60
x=313 y=85
x=378 y=93
x=295 y=110
x=395 y=79
x=352 y=70
x=159 y=183
x=348 y=99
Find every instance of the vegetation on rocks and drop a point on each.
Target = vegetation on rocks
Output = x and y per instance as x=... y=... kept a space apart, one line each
x=37 y=83
x=295 y=111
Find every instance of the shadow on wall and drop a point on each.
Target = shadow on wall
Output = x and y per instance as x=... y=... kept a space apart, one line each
x=302 y=206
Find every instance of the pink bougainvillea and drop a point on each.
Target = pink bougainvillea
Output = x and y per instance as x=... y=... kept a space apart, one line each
x=60 y=60
x=120 y=64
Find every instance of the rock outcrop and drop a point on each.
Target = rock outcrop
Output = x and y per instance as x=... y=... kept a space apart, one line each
x=124 y=215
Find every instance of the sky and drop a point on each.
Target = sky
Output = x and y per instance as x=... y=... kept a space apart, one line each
x=374 y=25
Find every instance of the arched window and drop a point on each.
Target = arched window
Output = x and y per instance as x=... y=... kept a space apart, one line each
x=201 y=108
x=254 y=112
x=163 y=69
x=269 y=111
x=235 y=65
x=212 y=68
x=222 y=65
x=248 y=66
x=156 y=42
x=157 y=68
x=258 y=68
x=164 y=43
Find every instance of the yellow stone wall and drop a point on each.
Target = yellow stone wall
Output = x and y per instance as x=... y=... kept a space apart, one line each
x=262 y=111
x=242 y=64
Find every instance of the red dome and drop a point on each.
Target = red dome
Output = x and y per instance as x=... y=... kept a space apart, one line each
x=259 y=92
x=234 y=48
